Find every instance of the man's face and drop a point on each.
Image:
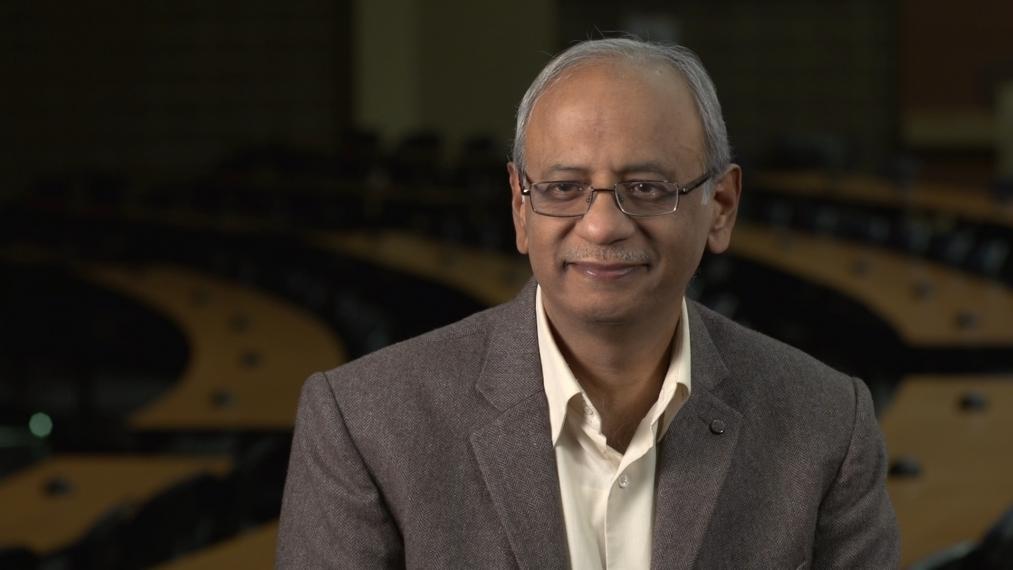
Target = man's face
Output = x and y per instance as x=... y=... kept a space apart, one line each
x=602 y=123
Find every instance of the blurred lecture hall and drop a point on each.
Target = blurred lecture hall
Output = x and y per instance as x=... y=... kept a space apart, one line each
x=203 y=203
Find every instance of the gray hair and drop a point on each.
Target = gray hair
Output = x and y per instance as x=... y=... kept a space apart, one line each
x=679 y=58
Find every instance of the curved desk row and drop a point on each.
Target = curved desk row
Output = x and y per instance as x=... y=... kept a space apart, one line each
x=234 y=382
x=250 y=550
x=971 y=204
x=249 y=352
x=955 y=437
x=928 y=304
x=249 y=355
x=53 y=503
x=489 y=277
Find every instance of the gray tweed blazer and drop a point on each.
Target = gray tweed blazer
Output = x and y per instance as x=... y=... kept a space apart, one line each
x=436 y=453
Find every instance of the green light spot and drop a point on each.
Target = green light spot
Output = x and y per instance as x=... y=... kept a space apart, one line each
x=41 y=425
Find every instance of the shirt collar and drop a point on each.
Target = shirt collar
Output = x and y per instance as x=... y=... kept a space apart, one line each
x=561 y=386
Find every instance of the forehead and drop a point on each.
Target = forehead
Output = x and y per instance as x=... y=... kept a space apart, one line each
x=610 y=114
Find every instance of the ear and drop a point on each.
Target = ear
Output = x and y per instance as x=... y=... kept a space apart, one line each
x=724 y=206
x=518 y=208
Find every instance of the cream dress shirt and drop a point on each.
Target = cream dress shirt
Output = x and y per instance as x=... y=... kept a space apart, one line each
x=608 y=497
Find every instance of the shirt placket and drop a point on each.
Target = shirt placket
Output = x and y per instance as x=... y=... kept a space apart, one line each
x=625 y=498
x=621 y=498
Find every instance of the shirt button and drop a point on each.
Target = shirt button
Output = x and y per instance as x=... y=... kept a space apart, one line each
x=588 y=410
x=624 y=481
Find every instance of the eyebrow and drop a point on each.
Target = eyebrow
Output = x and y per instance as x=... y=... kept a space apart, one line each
x=649 y=166
x=558 y=168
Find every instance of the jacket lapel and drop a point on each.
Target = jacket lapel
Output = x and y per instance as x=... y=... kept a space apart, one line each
x=694 y=457
x=518 y=463
x=514 y=451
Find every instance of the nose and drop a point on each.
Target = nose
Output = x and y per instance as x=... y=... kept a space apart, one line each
x=604 y=222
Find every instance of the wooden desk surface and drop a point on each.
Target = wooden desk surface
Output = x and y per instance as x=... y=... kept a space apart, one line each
x=490 y=278
x=249 y=551
x=966 y=460
x=928 y=304
x=249 y=351
x=43 y=522
x=973 y=204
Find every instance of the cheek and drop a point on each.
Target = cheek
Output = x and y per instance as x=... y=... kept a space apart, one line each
x=539 y=245
x=680 y=252
x=691 y=252
x=544 y=242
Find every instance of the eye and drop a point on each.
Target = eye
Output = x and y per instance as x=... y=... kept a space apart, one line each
x=562 y=188
x=647 y=189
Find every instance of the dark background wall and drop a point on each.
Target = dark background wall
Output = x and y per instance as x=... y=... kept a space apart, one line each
x=160 y=90
x=822 y=71
x=156 y=89
x=954 y=60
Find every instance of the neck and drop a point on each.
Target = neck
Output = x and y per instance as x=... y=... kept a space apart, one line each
x=620 y=366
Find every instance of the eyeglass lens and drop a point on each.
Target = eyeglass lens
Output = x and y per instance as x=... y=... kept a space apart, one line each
x=574 y=199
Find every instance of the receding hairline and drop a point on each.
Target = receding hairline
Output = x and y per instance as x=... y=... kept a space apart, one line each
x=640 y=65
x=636 y=54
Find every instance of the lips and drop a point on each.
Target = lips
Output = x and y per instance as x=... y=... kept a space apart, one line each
x=604 y=271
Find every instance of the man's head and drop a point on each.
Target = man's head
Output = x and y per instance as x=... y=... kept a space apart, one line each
x=636 y=53
x=609 y=111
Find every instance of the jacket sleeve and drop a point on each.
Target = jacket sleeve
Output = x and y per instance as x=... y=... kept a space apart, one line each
x=857 y=527
x=332 y=515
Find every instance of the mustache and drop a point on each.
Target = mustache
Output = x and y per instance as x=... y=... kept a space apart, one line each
x=605 y=255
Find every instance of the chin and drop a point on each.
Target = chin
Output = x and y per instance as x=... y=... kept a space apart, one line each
x=605 y=312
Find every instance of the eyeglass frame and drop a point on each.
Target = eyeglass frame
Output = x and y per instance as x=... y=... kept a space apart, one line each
x=587 y=187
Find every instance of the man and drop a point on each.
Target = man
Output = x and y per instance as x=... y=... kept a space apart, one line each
x=599 y=420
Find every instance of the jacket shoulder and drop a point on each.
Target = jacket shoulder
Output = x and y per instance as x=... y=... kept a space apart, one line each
x=742 y=347
x=456 y=346
x=772 y=378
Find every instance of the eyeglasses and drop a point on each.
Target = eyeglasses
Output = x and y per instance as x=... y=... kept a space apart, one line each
x=639 y=198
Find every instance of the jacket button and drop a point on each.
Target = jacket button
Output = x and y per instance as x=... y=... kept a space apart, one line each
x=717 y=427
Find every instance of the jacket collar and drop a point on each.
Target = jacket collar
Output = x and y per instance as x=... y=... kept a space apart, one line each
x=514 y=451
x=517 y=459
x=512 y=370
x=694 y=457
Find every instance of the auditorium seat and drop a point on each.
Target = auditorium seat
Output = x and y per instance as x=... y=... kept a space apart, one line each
x=813 y=150
x=481 y=167
x=960 y=226
x=84 y=355
x=258 y=481
x=100 y=547
x=417 y=160
x=954 y=247
x=991 y=256
x=359 y=154
x=915 y=235
x=16 y=558
x=993 y=552
x=183 y=518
